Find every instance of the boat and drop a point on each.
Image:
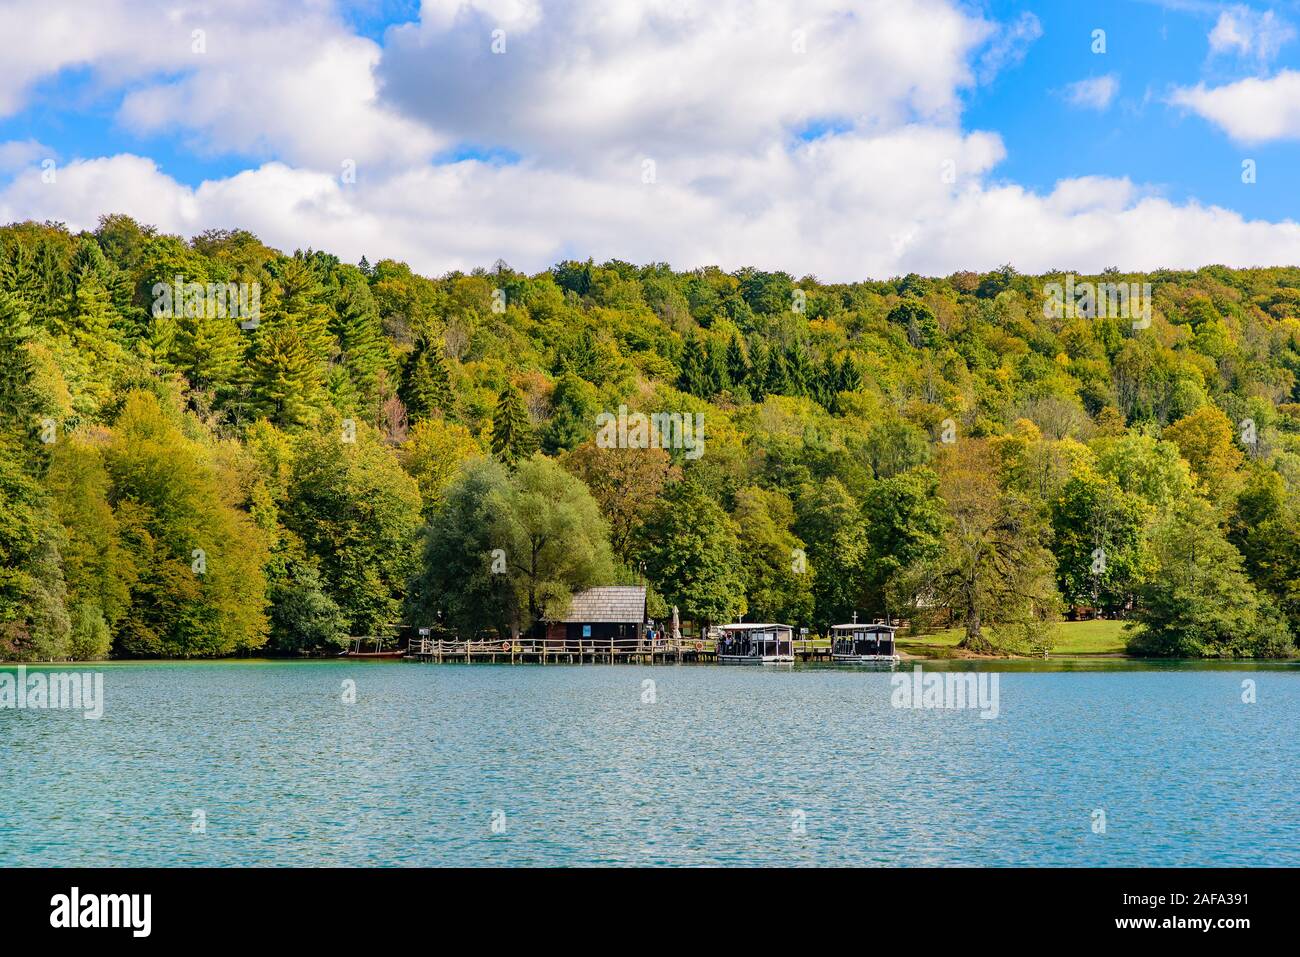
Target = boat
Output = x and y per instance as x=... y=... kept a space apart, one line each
x=755 y=644
x=860 y=642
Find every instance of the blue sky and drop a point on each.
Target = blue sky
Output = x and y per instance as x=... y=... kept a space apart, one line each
x=1151 y=47
x=816 y=154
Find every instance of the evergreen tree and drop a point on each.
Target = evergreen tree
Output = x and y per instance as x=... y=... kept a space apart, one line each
x=286 y=378
x=20 y=407
x=850 y=375
x=359 y=334
x=798 y=369
x=575 y=405
x=778 y=374
x=719 y=376
x=694 y=378
x=737 y=366
x=426 y=382
x=207 y=350
x=512 y=433
x=760 y=358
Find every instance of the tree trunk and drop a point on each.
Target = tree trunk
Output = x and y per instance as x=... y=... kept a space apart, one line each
x=974 y=641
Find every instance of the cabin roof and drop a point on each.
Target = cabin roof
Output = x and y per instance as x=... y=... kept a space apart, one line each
x=607 y=604
x=750 y=626
x=862 y=626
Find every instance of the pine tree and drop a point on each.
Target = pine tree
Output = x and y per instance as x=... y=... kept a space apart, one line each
x=694 y=378
x=426 y=382
x=799 y=369
x=512 y=434
x=737 y=367
x=759 y=369
x=828 y=382
x=359 y=333
x=20 y=407
x=778 y=375
x=286 y=380
x=207 y=350
x=19 y=278
x=719 y=375
x=850 y=374
x=299 y=302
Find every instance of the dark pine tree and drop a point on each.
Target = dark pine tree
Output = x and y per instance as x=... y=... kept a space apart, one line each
x=737 y=367
x=513 y=438
x=425 y=388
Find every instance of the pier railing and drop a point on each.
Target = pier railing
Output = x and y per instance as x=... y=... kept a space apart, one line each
x=559 y=647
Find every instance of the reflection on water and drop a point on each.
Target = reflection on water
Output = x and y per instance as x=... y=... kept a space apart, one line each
x=760 y=765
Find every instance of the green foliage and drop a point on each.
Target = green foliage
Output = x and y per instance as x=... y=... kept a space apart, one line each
x=33 y=618
x=510 y=548
x=426 y=382
x=358 y=512
x=553 y=536
x=934 y=446
x=574 y=405
x=1198 y=602
x=513 y=438
x=1098 y=542
x=692 y=552
x=779 y=580
x=199 y=587
x=304 y=619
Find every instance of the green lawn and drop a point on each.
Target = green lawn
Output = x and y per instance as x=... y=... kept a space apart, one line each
x=1072 y=638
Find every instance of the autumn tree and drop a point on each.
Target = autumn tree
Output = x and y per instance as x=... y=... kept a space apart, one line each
x=995 y=577
x=626 y=483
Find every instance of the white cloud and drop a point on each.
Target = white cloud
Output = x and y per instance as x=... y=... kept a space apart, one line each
x=1094 y=93
x=715 y=92
x=581 y=79
x=1251 y=110
x=843 y=208
x=263 y=78
x=1249 y=33
x=1009 y=46
x=16 y=154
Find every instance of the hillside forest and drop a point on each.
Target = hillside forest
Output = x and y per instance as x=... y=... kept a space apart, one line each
x=209 y=447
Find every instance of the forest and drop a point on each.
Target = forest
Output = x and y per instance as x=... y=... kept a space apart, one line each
x=209 y=447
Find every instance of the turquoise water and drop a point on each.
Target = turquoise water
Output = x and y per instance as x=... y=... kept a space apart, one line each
x=809 y=765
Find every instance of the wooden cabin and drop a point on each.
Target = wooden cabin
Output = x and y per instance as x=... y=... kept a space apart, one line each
x=863 y=642
x=753 y=644
x=600 y=614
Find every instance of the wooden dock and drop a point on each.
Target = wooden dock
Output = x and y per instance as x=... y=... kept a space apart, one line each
x=587 y=650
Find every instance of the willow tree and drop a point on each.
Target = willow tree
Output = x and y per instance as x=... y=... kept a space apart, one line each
x=508 y=550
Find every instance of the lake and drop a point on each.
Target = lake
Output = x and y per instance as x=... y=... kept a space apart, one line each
x=1088 y=762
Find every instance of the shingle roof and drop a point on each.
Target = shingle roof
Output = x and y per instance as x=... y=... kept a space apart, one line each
x=608 y=603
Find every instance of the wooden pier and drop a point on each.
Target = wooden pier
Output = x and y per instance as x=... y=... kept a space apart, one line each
x=587 y=650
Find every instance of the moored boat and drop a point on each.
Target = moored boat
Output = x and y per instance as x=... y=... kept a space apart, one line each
x=755 y=644
x=859 y=642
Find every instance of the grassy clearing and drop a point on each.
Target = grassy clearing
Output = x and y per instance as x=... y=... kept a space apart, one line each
x=1072 y=638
